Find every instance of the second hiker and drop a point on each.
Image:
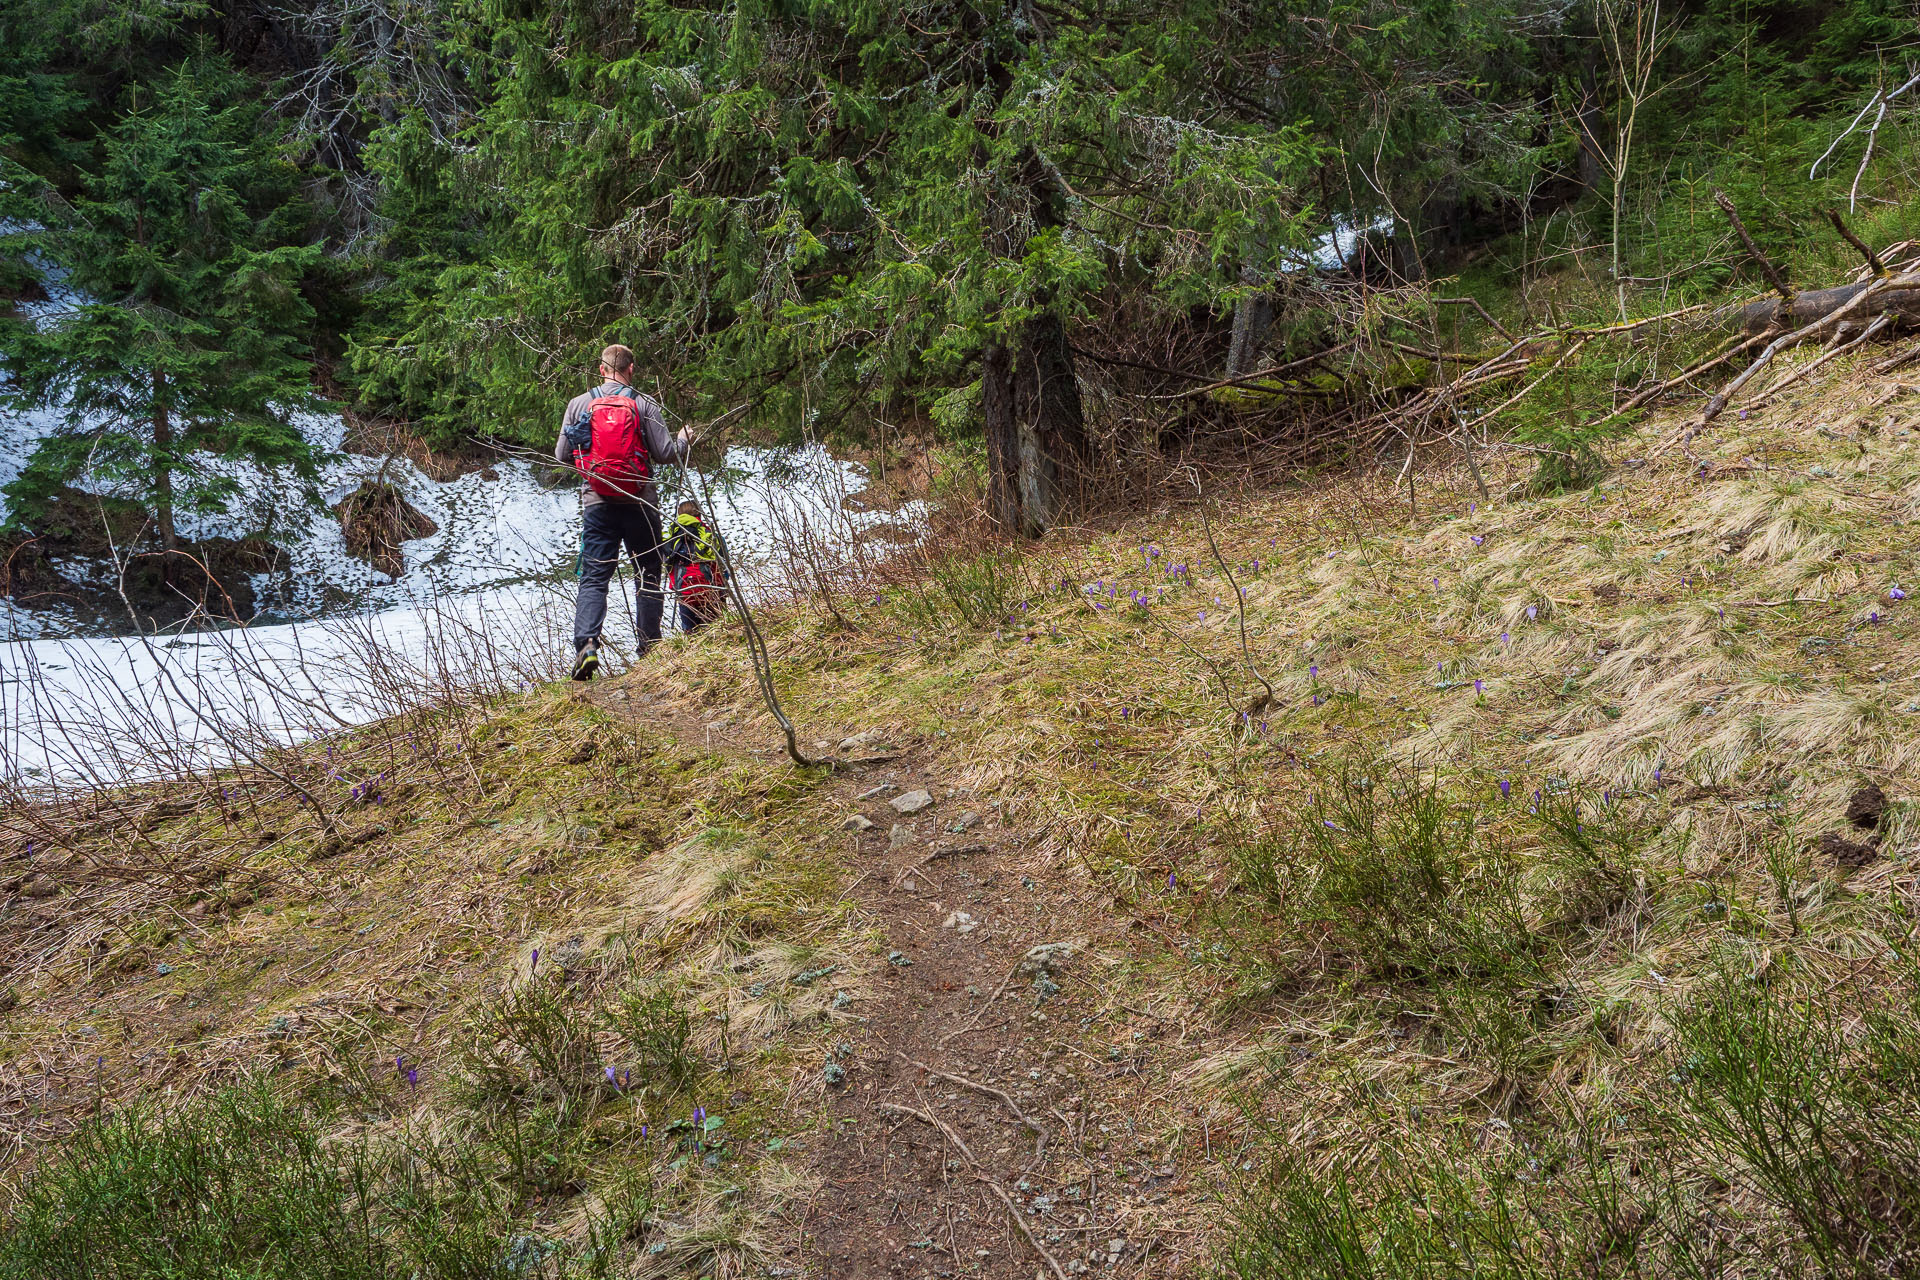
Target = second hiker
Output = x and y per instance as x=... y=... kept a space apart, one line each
x=615 y=436
x=698 y=578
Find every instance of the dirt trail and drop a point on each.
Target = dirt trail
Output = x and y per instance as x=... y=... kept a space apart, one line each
x=991 y=1080
x=993 y=1077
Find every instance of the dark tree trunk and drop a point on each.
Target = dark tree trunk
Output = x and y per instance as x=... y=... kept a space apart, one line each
x=1251 y=318
x=1037 y=448
x=1003 y=447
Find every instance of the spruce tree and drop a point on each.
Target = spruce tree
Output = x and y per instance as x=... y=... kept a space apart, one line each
x=187 y=346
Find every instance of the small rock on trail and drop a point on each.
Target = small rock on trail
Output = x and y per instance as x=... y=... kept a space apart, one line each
x=858 y=822
x=911 y=802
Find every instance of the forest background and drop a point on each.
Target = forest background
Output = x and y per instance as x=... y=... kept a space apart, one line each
x=1021 y=230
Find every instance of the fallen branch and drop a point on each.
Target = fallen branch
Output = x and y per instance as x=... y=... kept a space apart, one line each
x=1773 y=274
x=973 y=1166
x=1006 y=1100
x=1879 y=322
x=1716 y=405
x=1245 y=379
x=1878 y=267
x=1711 y=362
x=1475 y=304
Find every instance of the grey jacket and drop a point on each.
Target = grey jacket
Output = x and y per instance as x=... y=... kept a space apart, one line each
x=661 y=447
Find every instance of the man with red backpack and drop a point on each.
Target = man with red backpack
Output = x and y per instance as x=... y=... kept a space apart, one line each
x=615 y=436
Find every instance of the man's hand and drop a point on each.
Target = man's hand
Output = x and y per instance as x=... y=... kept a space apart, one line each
x=687 y=437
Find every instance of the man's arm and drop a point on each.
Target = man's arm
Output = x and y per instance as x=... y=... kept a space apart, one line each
x=563 y=448
x=661 y=447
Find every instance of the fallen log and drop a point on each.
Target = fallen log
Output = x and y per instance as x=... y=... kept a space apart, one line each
x=1817 y=304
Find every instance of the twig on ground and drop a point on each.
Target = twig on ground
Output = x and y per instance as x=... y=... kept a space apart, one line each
x=1240 y=614
x=1040 y=1131
x=984 y=1178
x=981 y=1012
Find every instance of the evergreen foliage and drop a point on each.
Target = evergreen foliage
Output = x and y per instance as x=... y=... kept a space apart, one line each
x=184 y=343
x=845 y=217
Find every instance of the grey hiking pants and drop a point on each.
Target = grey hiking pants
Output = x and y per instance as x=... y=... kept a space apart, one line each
x=605 y=528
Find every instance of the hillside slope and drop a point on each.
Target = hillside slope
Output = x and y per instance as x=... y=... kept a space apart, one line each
x=1536 y=898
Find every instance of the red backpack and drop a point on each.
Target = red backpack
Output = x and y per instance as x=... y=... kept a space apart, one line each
x=701 y=587
x=616 y=464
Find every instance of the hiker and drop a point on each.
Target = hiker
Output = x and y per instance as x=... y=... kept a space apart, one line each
x=694 y=570
x=615 y=436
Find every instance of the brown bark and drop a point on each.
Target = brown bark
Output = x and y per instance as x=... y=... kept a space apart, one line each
x=1811 y=304
x=1038 y=453
x=1003 y=451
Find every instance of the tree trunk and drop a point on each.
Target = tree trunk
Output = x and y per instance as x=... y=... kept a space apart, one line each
x=1037 y=447
x=163 y=471
x=1251 y=318
x=1407 y=262
x=1003 y=450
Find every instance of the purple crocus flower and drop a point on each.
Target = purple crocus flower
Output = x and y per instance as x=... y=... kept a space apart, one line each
x=400 y=1062
x=1874 y=616
x=535 y=962
x=1170 y=883
x=1436 y=584
x=611 y=1078
x=1478 y=687
x=1506 y=789
x=1477 y=539
x=1313 y=671
x=413 y=1077
x=1896 y=594
x=1503 y=638
x=1533 y=611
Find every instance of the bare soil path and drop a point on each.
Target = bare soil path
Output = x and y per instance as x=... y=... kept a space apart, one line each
x=987 y=1124
x=998 y=1113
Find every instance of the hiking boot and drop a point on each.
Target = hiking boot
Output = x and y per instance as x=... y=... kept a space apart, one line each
x=586 y=663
